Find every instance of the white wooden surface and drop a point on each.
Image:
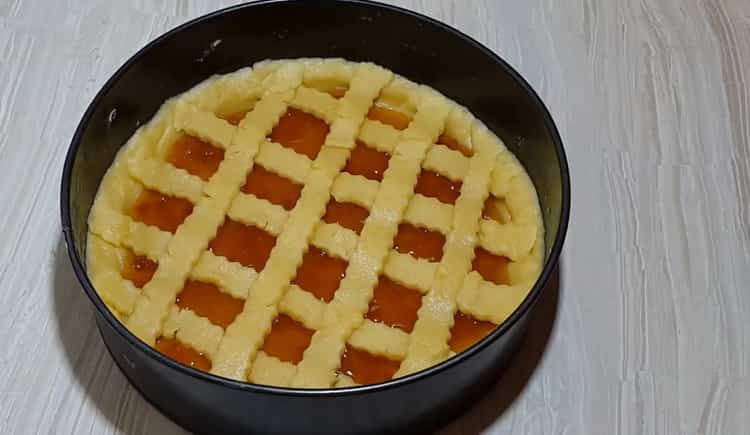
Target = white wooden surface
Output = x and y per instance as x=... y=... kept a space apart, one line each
x=648 y=332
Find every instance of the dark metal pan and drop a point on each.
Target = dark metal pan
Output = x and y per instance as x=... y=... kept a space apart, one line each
x=412 y=45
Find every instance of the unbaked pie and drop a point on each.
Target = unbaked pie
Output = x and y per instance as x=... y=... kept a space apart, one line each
x=313 y=223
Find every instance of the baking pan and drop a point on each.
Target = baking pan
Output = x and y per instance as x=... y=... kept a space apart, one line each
x=412 y=45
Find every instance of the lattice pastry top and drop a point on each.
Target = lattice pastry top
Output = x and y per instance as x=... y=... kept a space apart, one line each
x=313 y=223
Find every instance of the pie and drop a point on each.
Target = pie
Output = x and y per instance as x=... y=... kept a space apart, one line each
x=313 y=223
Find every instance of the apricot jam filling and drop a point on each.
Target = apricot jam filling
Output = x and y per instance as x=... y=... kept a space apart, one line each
x=244 y=244
x=160 y=210
x=491 y=267
x=346 y=214
x=394 y=304
x=366 y=368
x=197 y=157
x=367 y=162
x=272 y=187
x=453 y=144
x=287 y=340
x=300 y=131
x=419 y=242
x=234 y=118
x=434 y=185
x=389 y=116
x=320 y=274
x=138 y=269
x=206 y=300
x=182 y=353
x=466 y=331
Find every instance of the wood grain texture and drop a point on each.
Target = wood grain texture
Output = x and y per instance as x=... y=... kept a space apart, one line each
x=647 y=331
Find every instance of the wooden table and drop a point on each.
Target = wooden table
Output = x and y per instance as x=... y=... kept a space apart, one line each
x=647 y=331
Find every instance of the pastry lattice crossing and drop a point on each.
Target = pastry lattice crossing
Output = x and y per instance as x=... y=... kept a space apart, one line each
x=313 y=223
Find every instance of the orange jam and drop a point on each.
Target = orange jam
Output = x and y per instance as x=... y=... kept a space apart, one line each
x=138 y=269
x=493 y=268
x=272 y=187
x=389 y=116
x=466 y=331
x=346 y=214
x=287 y=340
x=453 y=144
x=337 y=91
x=394 y=305
x=367 y=162
x=366 y=368
x=320 y=274
x=182 y=353
x=438 y=186
x=197 y=157
x=234 y=118
x=206 y=300
x=300 y=131
x=160 y=210
x=247 y=245
x=419 y=242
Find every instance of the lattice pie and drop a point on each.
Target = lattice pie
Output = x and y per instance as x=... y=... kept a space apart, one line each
x=313 y=223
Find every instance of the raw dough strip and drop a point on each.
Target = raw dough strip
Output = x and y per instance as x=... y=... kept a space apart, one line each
x=231 y=278
x=447 y=162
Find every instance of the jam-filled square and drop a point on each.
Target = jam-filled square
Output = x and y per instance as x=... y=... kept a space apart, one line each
x=300 y=131
x=182 y=353
x=419 y=242
x=138 y=269
x=206 y=300
x=387 y=115
x=366 y=368
x=346 y=214
x=394 y=305
x=320 y=274
x=272 y=187
x=367 y=162
x=235 y=118
x=162 y=211
x=493 y=268
x=197 y=157
x=449 y=142
x=287 y=340
x=244 y=244
x=434 y=185
x=466 y=331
